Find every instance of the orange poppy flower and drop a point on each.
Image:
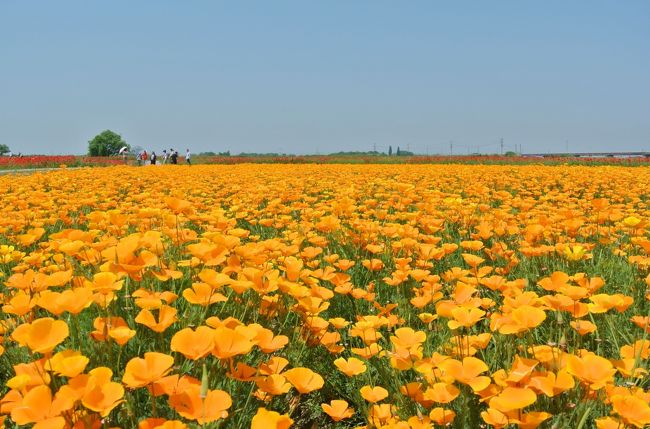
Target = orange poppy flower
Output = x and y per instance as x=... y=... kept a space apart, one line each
x=275 y=365
x=304 y=379
x=142 y=372
x=632 y=409
x=190 y=404
x=591 y=369
x=441 y=393
x=202 y=294
x=602 y=302
x=154 y=423
x=102 y=396
x=408 y=338
x=419 y=422
x=71 y=300
x=519 y=320
x=152 y=300
x=344 y=264
x=494 y=417
x=193 y=344
x=42 y=335
x=350 y=367
x=520 y=369
x=442 y=416
x=367 y=352
x=310 y=252
x=243 y=372
x=465 y=317
x=112 y=327
x=38 y=406
x=30 y=374
x=105 y=282
x=274 y=384
x=642 y=322
x=529 y=420
x=338 y=410
x=59 y=278
x=413 y=391
x=68 y=363
x=513 y=398
x=556 y=281
x=339 y=322
x=640 y=349
x=374 y=394
x=229 y=343
x=630 y=368
x=266 y=341
x=172 y=384
x=265 y=419
x=166 y=316
x=28 y=281
x=373 y=264
x=20 y=303
x=380 y=414
x=472 y=260
x=467 y=372
x=368 y=334
x=608 y=423
x=179 y=206
x=583 y=327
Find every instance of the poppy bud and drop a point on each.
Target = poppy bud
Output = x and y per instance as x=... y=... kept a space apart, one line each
x=204 y=382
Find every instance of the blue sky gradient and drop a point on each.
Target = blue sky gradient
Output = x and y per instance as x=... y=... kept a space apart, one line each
x=320 y=77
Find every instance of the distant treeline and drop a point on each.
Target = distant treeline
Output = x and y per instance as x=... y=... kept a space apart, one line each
x=276 y=155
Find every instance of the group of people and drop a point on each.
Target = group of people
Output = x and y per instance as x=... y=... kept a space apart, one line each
x=142 y=157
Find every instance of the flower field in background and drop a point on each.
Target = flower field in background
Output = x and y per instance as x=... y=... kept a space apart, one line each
x=326 y=296
x=55 y=161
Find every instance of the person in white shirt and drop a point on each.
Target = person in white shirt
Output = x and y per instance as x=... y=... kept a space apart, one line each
x=187 y=157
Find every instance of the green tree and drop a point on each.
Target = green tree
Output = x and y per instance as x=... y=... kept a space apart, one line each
x=390 y=150
x=4 y=149
x=106 y=143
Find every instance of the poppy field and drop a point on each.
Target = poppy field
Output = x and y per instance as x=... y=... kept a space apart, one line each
x=55 y=161
x=326 y=296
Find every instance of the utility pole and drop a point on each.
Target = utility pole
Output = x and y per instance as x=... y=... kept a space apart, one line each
x=451 y=147
x=501 y=145
x=374 y=147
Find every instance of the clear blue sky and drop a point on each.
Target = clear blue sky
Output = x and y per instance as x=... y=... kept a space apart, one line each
x=323 y=76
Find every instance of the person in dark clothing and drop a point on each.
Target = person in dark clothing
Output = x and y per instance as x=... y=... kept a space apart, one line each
x=153 y=158
x=174 y=157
